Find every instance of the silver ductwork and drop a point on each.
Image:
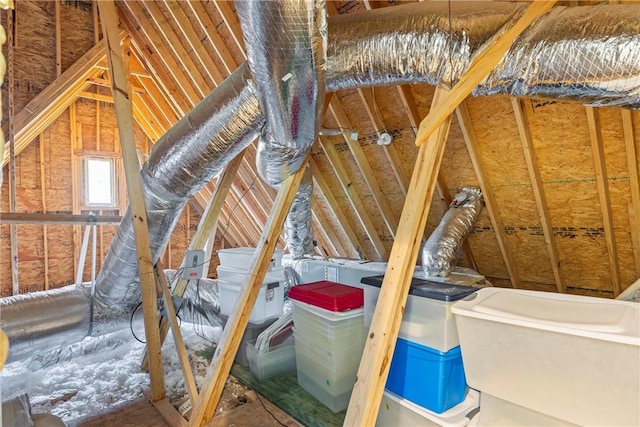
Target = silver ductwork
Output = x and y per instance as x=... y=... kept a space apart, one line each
x=414 y=43
x=297 y=227
x=439 y=251
x=589 y=54
x=42 y=320
x=189 y=155
x=286 y=45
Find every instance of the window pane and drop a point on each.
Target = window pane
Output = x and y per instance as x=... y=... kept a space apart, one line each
x=99 y=182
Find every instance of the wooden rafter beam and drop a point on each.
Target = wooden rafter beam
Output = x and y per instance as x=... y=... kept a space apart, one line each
x=45 y=108
x=370 y=180
x=214 y=38
x=120 y=89
x=385 y=325
x=164 y=68
x=469 y=134
x=170 y=39
x=189 y=34
x=236 y=324
x=482 y=65
x=538 y=192
x=634 y=183
x=325 y=192
x=232 y=22
x=599 y=163
x=353 y=197
x=102 y=82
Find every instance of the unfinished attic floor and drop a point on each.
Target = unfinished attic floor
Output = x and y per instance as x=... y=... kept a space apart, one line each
x=239 y=407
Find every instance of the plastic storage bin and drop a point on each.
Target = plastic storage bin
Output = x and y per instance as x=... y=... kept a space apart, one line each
x=500 y=413
x=250 y=334
x=570 y=357
x=330 y=296
x=427 y=319
x=329 y=344
x=398 y=411
x=273 y=361
x=242 y=257
x=240 y=275
x=269 y=303
x=433 y=379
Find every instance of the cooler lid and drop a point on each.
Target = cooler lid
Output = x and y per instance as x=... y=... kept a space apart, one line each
x=428 y=289
x=328 y=295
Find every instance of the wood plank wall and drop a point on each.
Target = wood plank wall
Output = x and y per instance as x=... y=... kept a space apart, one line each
x=91 y=126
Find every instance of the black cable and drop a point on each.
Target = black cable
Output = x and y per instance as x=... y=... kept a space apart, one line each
x=270 y=413
x=133 y=313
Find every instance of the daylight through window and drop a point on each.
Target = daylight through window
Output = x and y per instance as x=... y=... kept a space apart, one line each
x=99 y=187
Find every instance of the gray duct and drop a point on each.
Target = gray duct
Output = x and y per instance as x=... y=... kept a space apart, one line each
x=439 y=251
x=297 y=227
x=365 y=49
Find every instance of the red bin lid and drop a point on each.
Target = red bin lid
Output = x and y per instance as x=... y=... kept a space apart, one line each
x=328 y=295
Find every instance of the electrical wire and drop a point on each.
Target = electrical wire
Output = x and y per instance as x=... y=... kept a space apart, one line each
x=270 y=413
x=133 y=313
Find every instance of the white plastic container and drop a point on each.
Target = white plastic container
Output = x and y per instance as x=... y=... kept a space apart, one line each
x=569 y=357
x=269 y=303
x=273 y=361
x=240 y=275
x=501 y=413
x=427 y=319
x=242 y=257
x=398 y=411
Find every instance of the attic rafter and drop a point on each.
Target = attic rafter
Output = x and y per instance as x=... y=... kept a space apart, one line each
x=325 y=192
x=166 y=38
x=360 y=158
x=193 y=40
x=390 y=150
x=144 y=34
x=600 y=166
x=168 y=105
x=464 y=119
x=538 y=192
x=353 y=197
x=45 y=108
x=634 y=182
x=214 y=38
x=231 y=20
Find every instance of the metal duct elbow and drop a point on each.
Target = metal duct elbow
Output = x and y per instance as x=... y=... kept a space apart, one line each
x=439 y=251
x=288 y=64
x=426 y=42
x=297 y=227
x=590 y=54
x=189 y=155
x=44 y=320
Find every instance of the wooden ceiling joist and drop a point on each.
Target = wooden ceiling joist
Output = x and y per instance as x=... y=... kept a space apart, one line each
x=600 y=166
x=634 y=183
x=464 y=119
x=538 y=193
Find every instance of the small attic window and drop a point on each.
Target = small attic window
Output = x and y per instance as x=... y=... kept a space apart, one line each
x=99 y=182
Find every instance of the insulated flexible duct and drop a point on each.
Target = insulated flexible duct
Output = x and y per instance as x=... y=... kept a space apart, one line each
x=378 y=47
x=297 y=227
x=590 y=54
x=288 y=67
x=189 y=155
x=439 y=251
